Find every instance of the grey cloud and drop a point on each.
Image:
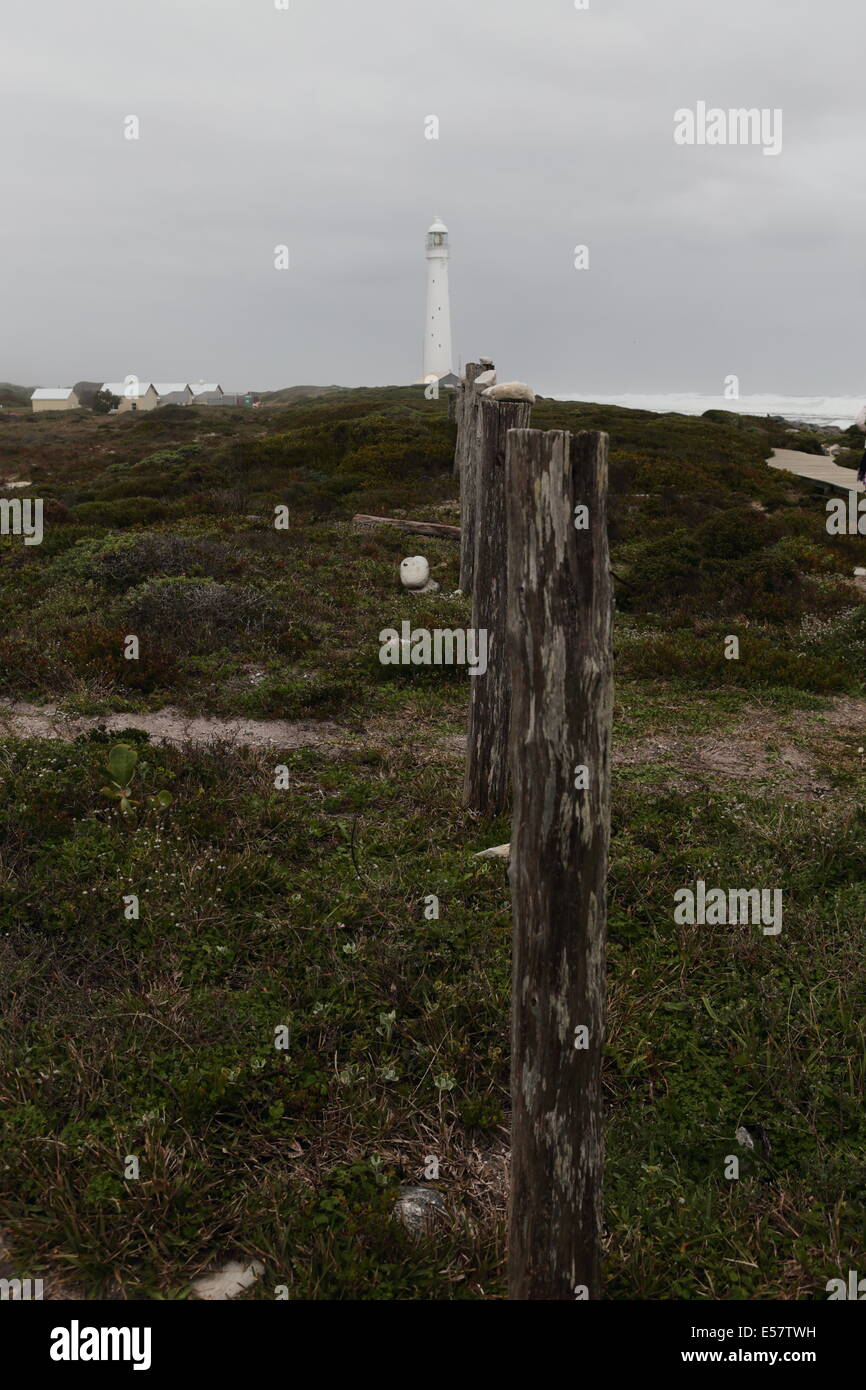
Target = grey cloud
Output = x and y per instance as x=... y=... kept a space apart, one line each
x=261 y=127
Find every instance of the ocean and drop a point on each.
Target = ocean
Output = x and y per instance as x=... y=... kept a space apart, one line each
x=817 y=410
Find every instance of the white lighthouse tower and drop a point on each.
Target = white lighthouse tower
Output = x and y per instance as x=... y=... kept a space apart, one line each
x=437 y=327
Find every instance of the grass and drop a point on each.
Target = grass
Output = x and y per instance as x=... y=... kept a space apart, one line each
x=307 y=908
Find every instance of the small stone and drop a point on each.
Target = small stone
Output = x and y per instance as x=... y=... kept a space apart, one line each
x=227 y=1282
x=419 y=1208
x=414 y=572
x=498 y=852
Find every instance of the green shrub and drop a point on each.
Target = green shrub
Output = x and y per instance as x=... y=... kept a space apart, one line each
x=700 y=661
x=122 y=562
x=805 y=442
x=840 y=639
x=198 y=611
x=129 y=511
x=736 y=532
x=93 y=650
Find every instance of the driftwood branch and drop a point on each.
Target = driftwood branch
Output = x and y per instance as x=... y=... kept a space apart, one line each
x=420 y=528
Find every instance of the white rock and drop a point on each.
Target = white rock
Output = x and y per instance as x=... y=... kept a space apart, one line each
x=498 y=852
x=485 y=379
x=227 y=1282
x=485 y=361
x=418 y=1208
x=511 y=391
x=859 y=573
x=414 y=572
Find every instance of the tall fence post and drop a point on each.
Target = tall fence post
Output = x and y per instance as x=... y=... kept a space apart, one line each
x=559 y=643
x=470 y=372
x=487 y=768
x=465 y=464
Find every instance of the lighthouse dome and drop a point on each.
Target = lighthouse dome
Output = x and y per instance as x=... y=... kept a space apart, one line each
x=437 y=226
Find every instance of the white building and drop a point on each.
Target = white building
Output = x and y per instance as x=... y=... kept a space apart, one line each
x=438 y=359
x=54 y=398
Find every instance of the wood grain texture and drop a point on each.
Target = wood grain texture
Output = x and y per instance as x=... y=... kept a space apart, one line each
x=559 y=641
x=470 y=372
x=467 y=446
x=486 y=783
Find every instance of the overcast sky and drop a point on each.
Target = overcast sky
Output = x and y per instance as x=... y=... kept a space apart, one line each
x=306 y=127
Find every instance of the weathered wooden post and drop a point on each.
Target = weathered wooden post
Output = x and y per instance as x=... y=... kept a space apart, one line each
x=559 y=642
x=465 y=464
x=470 y=372
x=487 y=768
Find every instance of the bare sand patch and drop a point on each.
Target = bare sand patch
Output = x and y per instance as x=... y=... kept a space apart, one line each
x=169 y=725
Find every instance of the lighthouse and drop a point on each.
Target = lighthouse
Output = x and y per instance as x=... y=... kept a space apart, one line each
x=437 y=327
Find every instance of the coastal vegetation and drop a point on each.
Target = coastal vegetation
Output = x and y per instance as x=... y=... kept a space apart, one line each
x=303 y=906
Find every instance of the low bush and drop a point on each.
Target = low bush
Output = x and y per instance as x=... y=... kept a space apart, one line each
x=199 y=612
x=127 y=561
x=700 y=661
x=95 y=651
x=128 y=511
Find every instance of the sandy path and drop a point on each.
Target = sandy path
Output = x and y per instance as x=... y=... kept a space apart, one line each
x=739 y=752
x=169 y=725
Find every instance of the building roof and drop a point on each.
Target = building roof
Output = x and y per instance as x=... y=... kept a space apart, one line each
x=120 y=388
x=52 y=393
x=170 y=388
x=437 y=226
x=199 y=388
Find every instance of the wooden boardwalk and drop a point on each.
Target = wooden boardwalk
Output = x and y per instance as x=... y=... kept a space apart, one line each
x=817 y=469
